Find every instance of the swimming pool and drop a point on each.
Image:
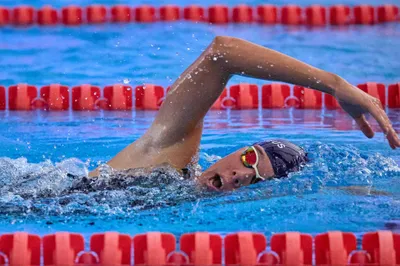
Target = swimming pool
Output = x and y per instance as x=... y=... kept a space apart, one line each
x=44 y=146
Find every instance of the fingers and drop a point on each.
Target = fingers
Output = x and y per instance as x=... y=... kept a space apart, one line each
x=393 y=139
x=380 y=116
x=365 y=127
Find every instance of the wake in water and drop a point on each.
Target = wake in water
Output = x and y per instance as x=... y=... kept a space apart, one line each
x=48 y=189
x=64 y=189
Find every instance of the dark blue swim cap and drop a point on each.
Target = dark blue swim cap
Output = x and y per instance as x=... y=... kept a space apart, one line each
x=285 y=156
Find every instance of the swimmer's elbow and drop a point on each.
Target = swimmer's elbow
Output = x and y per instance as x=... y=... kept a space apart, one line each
x=222 y=40
x=222 y=45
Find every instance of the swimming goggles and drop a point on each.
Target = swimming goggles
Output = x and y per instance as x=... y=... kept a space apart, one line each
x=250 y=159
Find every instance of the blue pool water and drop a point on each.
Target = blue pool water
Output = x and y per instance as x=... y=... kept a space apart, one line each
x=38 y=149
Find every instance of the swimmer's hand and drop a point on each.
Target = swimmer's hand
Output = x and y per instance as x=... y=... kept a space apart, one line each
x=358 y=103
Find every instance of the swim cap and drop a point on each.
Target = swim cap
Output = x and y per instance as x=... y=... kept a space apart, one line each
x=285 y=156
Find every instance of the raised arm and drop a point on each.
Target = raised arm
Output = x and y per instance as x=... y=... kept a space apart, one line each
x=175 y=133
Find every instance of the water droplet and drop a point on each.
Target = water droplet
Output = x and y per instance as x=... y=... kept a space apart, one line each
x=126 y=81
x=188 y=49
x=215 y=58
x=259 y=66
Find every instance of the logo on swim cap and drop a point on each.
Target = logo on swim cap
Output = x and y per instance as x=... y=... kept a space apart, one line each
x=278 y=144
x=285 y=156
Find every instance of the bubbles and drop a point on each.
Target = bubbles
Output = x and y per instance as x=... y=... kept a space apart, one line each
x=126 y=81
x=63 y=189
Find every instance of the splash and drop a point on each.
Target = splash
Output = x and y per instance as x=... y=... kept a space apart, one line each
x=62 y=189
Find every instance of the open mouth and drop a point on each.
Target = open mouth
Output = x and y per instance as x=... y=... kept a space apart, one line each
x=216 y=182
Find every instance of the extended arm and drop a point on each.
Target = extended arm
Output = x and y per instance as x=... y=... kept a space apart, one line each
x=175 y=134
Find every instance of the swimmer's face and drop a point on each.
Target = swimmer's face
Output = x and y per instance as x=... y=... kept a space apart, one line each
x=229 y=173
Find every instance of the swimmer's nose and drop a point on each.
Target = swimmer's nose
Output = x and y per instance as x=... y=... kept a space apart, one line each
x=234 y=179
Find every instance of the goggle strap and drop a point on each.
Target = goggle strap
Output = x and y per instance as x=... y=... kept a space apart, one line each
x=258 y=174
x=256 y=164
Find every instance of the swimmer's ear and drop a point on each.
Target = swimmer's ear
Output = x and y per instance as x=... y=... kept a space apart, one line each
x=365 y=127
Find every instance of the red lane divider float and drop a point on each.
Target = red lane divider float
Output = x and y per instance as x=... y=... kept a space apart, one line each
x=339 y=15
x=2 y=98
x=62 y=248
x=242 y=14
x=21 y=97
x=145 y=14
x=377 y=90
x=364 y=14
x=56 y=97
x=245 y=96
x=267 y=14
x=22 y=15
x=20 y=249
x=242 y=248
x=121 y=14
x=275 y=95
x=308 y=98
x=218 y=14
x=202 y=248
x=394 y=96
x=194 y=13
x=293 y=248
x=84 y=97
x=170 y=13
x=4 y=16
x=334 y=248
x=388 y=13
x=331 y=103
x=96 y=14
x=72 y=15
x=47 y=16
x=149 y=97
x=314 y=15
x=112 y=248
x=291 y=15
x=118 y=97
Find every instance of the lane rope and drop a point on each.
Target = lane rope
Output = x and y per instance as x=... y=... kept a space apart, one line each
x=201 y=248
x=314 y=15
x=57 y=97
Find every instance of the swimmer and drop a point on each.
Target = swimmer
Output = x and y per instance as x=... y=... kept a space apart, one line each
x=174 y=136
